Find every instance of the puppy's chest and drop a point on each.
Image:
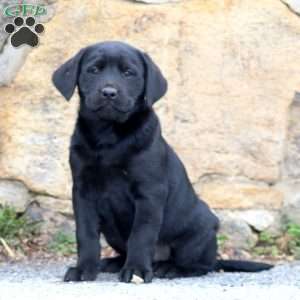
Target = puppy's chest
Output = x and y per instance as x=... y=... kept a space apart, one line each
x=114 y=188
x=113 y=156
x=110 y=184
x=107 y=158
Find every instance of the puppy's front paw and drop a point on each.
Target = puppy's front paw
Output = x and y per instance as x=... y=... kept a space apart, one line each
x=126 y=274
x=75 y=274
x=72 y=274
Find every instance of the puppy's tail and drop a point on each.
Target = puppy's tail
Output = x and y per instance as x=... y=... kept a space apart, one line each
x=241 y=266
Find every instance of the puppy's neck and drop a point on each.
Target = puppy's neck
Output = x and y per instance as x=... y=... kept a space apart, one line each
x=100 y=133
x=96 y=131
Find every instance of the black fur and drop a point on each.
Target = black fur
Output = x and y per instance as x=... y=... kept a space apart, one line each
x=128 y=183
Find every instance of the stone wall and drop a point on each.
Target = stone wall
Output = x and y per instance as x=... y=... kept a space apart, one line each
x=232 y=110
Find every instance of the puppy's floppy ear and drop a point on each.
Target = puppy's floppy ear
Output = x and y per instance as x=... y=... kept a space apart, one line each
x=65 y=77
x=155 y=84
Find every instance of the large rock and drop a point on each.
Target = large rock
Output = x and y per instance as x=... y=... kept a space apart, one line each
x=291 y=162
x=291 y=207
x=232 y=70
x=236 y=231
x=62 y=206
x=258 y=219
x=240 y=195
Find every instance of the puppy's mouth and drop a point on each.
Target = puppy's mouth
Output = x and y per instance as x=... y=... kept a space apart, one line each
x=111 y=105
x=124 y=110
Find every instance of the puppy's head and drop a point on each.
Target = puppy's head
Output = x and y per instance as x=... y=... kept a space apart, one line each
x=114 y=80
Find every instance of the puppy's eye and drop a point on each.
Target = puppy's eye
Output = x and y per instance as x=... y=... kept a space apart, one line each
x=128 y=72
x=94 y=70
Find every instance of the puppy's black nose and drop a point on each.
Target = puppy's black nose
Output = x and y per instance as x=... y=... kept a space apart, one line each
x=109 y=93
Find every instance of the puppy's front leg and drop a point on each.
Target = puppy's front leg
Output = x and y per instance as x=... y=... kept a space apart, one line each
x=142 y=241
x=87 y=235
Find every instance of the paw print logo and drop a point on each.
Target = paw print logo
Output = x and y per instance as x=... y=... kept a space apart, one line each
x=24 y=32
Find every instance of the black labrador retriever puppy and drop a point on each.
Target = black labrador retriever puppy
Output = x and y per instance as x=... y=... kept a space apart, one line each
x=128 y=183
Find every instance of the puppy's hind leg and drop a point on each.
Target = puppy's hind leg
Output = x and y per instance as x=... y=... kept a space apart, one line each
x=190 y=258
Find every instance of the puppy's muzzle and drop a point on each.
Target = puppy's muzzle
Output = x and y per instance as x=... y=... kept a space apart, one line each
x=109 y=93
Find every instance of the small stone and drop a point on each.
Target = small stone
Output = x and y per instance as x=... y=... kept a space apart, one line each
x=34 y=212
x=15 y=194
x=136 y=279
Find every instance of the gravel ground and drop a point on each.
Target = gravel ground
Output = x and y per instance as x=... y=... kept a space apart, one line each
x=42 y=281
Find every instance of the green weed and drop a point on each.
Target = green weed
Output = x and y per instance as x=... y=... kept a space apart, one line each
x=293 y=232
x=62 y=243
x=221 y=239
x=14 y=227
